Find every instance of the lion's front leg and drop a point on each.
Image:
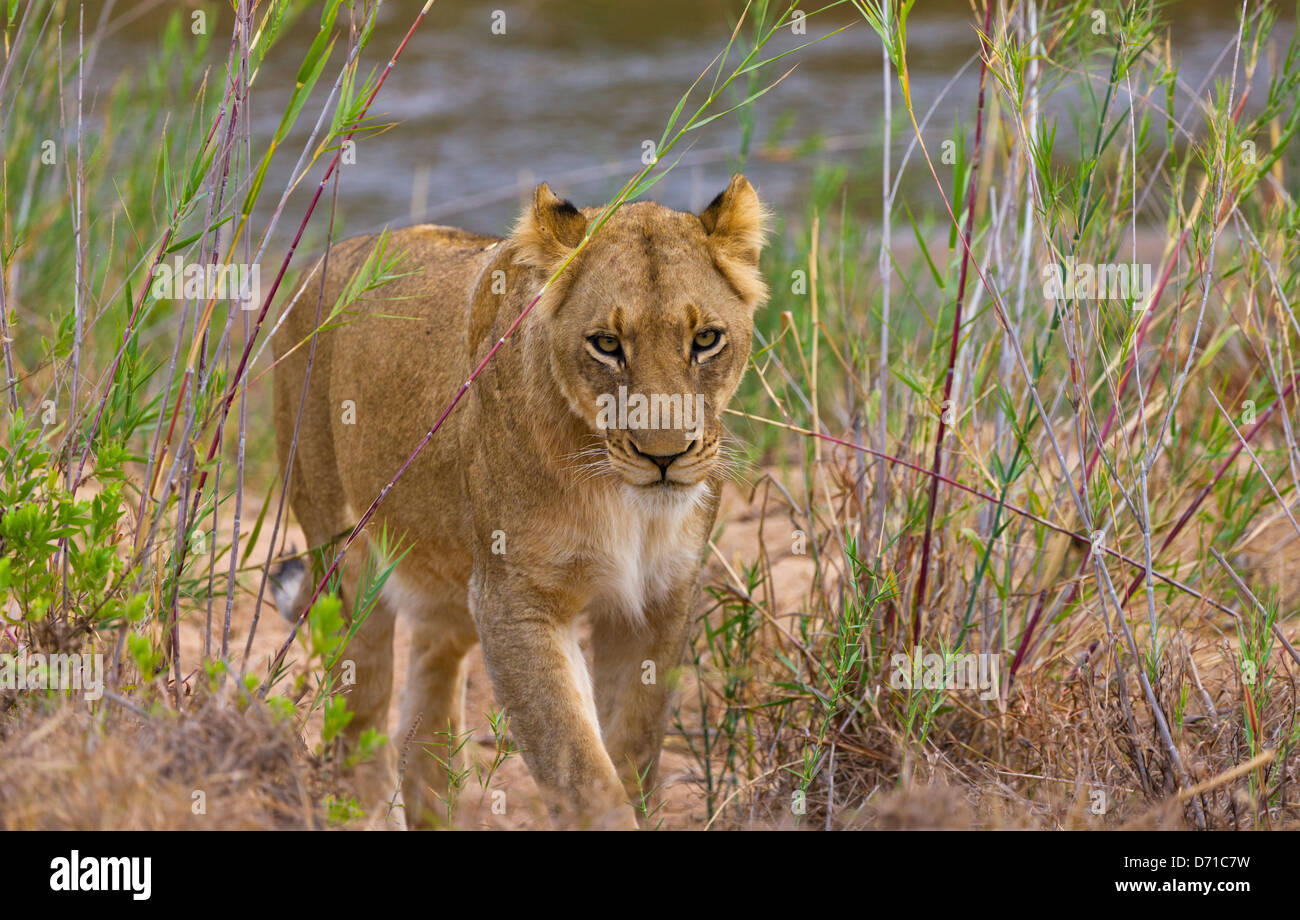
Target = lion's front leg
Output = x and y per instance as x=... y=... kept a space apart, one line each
x=634 y=669
x=538 y=672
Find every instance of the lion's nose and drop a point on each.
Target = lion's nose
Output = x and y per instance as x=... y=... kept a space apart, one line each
x=663 y=461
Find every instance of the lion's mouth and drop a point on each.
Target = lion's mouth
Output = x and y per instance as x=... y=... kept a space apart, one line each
x=671 y=480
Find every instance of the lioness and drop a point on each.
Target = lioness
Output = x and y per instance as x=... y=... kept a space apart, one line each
x=531 y=505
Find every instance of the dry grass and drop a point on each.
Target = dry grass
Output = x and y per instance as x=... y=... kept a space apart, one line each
x=216 y=766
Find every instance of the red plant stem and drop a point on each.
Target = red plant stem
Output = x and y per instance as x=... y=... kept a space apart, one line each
x=1178 y=526
x=1132 y=588
x=1025 y=638
x=993 y=499
x=1218 y=474
x=936 y=464
x=1022 y=649
x=1196 y=503
x=135 y=311
x=383 y=493
x=144 y=291
x=251 y=339
x=284 y=265
x=1111 y=416
x=1132 y=358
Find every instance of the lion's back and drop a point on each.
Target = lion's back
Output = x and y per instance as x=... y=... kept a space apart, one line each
x=382 y=370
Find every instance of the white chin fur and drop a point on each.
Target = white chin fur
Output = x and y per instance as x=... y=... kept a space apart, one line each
x=659 y=499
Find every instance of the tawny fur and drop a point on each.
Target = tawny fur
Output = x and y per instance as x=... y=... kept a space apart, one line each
x=590 y=524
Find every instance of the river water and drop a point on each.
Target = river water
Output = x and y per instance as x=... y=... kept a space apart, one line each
x=572 y=89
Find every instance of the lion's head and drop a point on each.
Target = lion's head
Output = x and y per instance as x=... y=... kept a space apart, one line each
x=649 y=327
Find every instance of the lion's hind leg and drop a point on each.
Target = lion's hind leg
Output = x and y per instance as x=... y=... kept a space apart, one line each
x=432 y=743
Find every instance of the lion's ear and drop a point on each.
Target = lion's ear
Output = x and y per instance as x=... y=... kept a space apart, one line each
x=549 y=229
x=734 y=222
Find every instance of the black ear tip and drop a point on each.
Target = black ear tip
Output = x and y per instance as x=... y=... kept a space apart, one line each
x=545 y=197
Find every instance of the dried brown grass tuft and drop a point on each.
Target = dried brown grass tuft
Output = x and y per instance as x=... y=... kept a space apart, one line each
x=216 y=766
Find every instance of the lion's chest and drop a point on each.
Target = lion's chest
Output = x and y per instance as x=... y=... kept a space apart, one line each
x=643 y=550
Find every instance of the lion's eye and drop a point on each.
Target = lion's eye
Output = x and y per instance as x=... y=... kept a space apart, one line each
x=706 y=340
x=606 y=344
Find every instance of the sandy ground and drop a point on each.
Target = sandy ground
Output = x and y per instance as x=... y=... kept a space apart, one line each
x=681 y=802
